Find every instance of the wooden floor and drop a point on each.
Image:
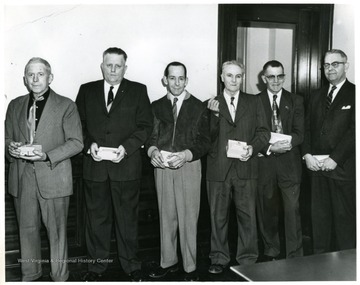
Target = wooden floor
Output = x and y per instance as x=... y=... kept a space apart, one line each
x=150 y=259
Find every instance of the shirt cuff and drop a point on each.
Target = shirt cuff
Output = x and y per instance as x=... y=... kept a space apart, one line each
x=268 y=152
x=188 y=155
x=151 y=150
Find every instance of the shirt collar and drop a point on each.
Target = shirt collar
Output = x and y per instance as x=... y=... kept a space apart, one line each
x=45 y=95
x=183 y=96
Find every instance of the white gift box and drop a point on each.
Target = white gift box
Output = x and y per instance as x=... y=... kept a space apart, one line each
x=235 y=149
x=28 y=149
x=107 y=153
x=275 y=137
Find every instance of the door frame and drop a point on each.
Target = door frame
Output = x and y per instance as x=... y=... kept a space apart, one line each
x=313 y=36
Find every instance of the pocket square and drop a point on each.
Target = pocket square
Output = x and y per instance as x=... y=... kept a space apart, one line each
x=346 y=107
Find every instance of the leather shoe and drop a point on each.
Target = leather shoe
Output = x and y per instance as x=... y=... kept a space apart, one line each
x=136 y=275
x=161 y=272
x=216 y=268
x=191 y=276
x=91 y=276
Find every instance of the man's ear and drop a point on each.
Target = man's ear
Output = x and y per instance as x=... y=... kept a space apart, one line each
x=164 y=80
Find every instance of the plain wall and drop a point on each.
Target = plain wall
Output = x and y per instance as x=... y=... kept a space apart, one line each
x=72 y=39
x=344 y=34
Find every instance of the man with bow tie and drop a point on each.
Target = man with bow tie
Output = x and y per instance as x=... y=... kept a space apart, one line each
x=330 y=132
x=280 y=165
x=40 y=177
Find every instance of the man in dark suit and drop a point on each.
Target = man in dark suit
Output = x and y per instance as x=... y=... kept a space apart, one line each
x=181 y=129
x=330 y=132
x=115 y=113
x=40 y=177
x=234 y=116
x=280 y=165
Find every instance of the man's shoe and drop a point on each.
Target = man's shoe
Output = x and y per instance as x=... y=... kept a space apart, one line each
x=191 y=276
x=136 y=276
x=161 y=272
x=216 y=268
x=91 y=276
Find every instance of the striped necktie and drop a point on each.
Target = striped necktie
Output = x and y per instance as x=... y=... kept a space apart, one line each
x=110 y=98
x=174 y=108
x=330 y=97
x=275 y=119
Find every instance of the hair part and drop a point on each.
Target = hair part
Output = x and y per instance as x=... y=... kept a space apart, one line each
x=38 y=60
x=174 y=63
x=115 y=50
x=272 y=63
x=337 y=51
x=233 y=62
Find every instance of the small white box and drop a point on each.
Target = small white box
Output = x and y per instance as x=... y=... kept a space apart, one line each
x=28 y=149
x=165 y=155
x=107 y=153
x=235 y=149
x=275 y=137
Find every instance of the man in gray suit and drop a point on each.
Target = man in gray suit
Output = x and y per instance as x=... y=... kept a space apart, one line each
x=42 y=132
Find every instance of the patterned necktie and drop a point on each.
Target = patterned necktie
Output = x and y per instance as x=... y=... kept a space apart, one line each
x=330 y=97
x=275 y=119
x=174 y=109
x=233 y=109
x=32 y=119
x=110 y=98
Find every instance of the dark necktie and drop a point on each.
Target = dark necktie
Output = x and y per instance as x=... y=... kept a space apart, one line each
x=110 y=97
x=275 y=119
x=233 y=109
x=174 y=109
x=32 y=119
x=329 y=97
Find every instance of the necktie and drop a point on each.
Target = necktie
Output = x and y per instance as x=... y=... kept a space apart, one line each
x=32 y=119
x=110 y=98
x=233 y=109
x=329 y=97
x=275 y=119
x=174 y=109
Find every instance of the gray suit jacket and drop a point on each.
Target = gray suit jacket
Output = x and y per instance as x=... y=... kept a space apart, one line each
x=59 y=132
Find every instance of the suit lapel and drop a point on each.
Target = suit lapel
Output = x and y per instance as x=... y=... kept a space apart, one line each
x=241 y=107
x=23 y=118
x=340 y=97
x=47 y=116
x=122 y=91
x=285 y=106
x=267 y=106
x=223 y=108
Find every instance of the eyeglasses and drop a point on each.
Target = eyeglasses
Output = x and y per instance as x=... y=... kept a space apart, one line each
x=279 y=77
x=334 y=64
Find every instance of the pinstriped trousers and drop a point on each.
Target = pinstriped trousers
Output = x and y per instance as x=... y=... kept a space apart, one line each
x=178 y=192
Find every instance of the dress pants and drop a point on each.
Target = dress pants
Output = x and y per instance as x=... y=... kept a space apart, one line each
x=333 y=210
x=105 y=201
x=243 y=193
x=30 y=208
x=178 y=192
x=274 y=182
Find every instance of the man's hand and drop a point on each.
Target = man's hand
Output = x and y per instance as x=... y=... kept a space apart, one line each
x=177 y=159
x=312 y=163
x=14 y=150
x=328 y=164
x=156 y=159
x=38 y=156
x=213 y=105
x=281 y=146
x=248 y=154
x=93 y=151
x=120 y=154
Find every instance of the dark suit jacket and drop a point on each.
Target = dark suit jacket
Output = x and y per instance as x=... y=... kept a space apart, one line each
x=292 y=119
x=249 y=126
x=332 y=132
x=192 y=128
x=129 y=123
x=59 y=134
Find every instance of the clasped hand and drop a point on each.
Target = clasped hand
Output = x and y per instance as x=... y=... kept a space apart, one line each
x=248 y=154
x=120 y=153
x=15 y=152
x=281 y=146
x=175 y=160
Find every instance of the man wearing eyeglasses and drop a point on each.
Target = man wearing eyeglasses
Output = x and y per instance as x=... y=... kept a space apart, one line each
x=280 y=165
x=329 y=153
